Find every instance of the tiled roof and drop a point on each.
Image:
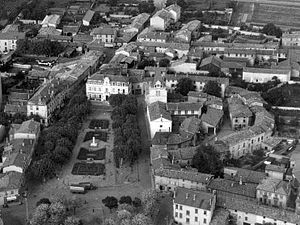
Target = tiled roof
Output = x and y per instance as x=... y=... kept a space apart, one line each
x=73 y=29
x=160 y=138
x=211 y=60
x=158 y=152
x=191 y=25
x=10 y=181
x=174 y=7
x=212 y=116
x=164 y=14
x=100 y=76
x=175 y=138
x=163 y=163
x=21 y=154
x=140 y=20
x=273 y=185
x=103 y=31
x=184 y=175
x=158 y=110
x=231 y=90
x=247 y=176
x=193 y=198
x=239 y=110
x=190 y=125
x=12 y=36
x=264 y=70
x=275 y=168
x=88 y=15
x=29 y=127
x=233 y=187
x=252 y=207
x=197 y=78
x=184 y=106
x=152 y=34
x=183 y=153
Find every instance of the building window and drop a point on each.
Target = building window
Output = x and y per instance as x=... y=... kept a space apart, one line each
x=246 y=218
x=204 y=221
x=204 y=212
x=187 y=220
x=161 y=126
x=176 y=214
x=180 y=215
x=157 y=93
x=176 y=206
x=180 y=207
x=196 y=211
x=37 y=108
x=187 y=212
x=196 y=219
x=90 y=88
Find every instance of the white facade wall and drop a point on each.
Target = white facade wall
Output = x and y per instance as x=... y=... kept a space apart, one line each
x=156 y=94
x=158 y=23
x=24 y=136
x=169 y=184
x=264 y=77
x=8 y=45
x=248 y=218
x=41 y=110
x=187 y=215
x=101 y=91
x=159 y=125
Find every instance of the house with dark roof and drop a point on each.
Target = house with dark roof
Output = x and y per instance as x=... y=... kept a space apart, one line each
x=169 y=179
x=211 y=64
x=193 y=206
x=211 y=120
x=232 y=189
x=159 y=118
x=247 y=176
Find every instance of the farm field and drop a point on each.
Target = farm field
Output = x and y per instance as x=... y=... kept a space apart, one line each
x=207 y=4
x=283 y=15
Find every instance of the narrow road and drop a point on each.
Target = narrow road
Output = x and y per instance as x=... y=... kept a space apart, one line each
x=143 y=163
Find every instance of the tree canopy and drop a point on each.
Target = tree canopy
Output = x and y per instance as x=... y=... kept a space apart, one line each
x=184 y=86
x=271 y=29
x=164 y=62
x=110 y=202
x=206 y=154
x=212 y=88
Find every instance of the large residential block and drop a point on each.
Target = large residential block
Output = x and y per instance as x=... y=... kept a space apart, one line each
x=100 y=87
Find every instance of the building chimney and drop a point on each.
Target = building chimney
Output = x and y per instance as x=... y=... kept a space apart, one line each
x=187 y=195
x=194 y=198
x=241 y=180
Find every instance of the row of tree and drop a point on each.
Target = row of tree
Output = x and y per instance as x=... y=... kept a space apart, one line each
x=56 y=142
x=39 y=47
x=127 y=140
x=134 y=212
x=54 y=213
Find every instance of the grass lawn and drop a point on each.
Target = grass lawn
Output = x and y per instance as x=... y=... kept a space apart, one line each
x=102 y=124
x=95 y=169
x=96 y=155
x=97 y=134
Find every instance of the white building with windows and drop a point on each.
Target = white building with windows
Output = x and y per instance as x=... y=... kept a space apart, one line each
x=192 y=207
x=156 y=91
x=8 y=41
x=262 y=75
x=159 y=119
x=100 y=87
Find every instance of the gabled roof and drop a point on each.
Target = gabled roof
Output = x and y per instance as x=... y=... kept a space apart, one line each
x=193 y=198
x=29 y=127
x=10 y=181
x=212 y=116
x=247 y=176
x=88 y=15
x=214 y=60
x=273 y=185
x=245 y=189
x=184 y=106
x=158 y=110
x=239 y=110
